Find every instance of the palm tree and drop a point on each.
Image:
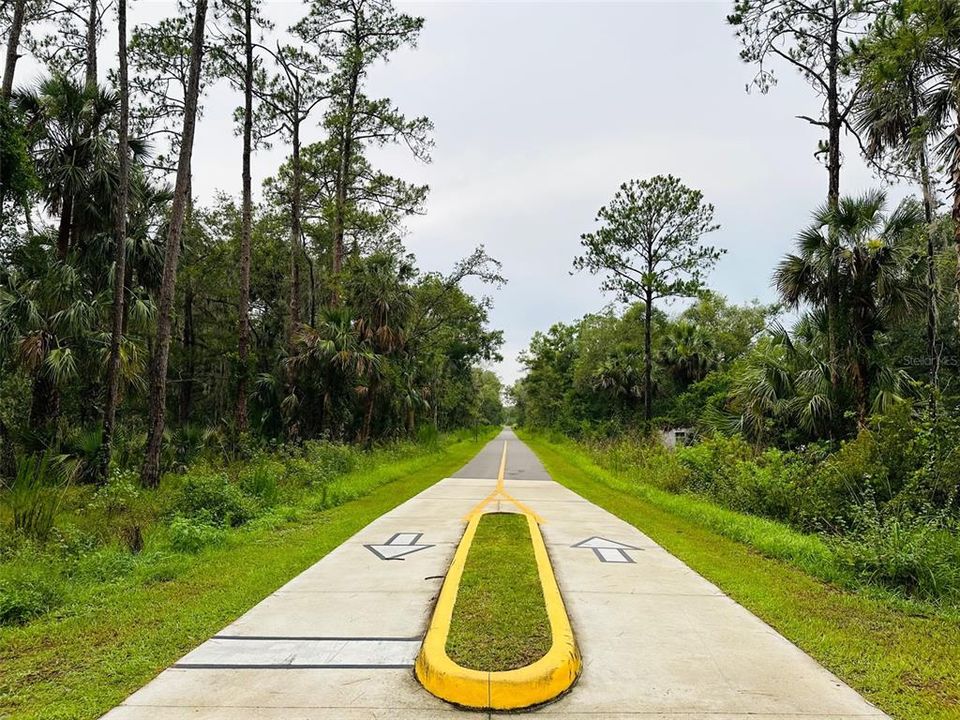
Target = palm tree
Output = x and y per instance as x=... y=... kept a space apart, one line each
x=783 y=382
x=868 y=252
x=378 y=289
x=412 y=394
x=334 y=349
x=621 y=377
x=916 y=45
x=48 y=320
x=72 y=129
x=688 y=353
x=892 y=116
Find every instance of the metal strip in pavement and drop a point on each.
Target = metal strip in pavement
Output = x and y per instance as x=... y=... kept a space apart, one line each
x=300 y=637
x=211 y=666
x=299 y=652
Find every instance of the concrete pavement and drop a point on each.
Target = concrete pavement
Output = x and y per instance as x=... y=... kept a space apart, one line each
x=338 y=642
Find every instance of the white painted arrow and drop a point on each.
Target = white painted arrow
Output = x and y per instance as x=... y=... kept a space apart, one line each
x=398 y=547
x=600 y=543
x=608 y=551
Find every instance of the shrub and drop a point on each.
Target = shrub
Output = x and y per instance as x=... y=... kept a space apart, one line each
x=122 y=504
x=35 y=494
x=647 y=461
x=128 y=448
x=709 y=462
x=764 y=486
x=211 y=498
x=428 y=436
x=843 y=481
x=185 y=444
x=104 y=565
x=300 y=472
x=71 y=541
x=333 y=459
x=916 y=554
x=260 y=482
x=25 y=595
x=191 y=535
x=119 y=496
x=83 y=446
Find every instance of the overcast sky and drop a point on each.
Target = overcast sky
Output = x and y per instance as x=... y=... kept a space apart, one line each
x=543 y=109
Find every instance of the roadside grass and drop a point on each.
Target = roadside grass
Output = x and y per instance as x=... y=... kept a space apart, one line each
x=111 y=638
x=499 y=621
x=903 y=656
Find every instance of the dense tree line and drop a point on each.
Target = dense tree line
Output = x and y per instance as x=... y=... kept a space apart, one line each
x=131 y=314
x=835 y=410
x=873 y=287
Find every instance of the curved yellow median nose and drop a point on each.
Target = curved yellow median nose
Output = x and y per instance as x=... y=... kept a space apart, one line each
x=533 y=684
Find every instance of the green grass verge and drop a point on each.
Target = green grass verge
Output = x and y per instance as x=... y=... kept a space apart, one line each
x=80 y=663
x=905 y=658
x=499 y=621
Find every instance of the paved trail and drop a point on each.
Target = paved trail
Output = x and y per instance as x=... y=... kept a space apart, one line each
x=338 y=642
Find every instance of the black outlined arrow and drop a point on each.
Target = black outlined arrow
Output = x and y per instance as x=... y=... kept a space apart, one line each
x=398 y=547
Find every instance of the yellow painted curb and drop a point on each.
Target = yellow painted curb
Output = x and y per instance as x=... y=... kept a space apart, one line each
x=534 y=684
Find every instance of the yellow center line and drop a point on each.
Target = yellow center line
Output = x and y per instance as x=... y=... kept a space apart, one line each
x=500 y=490
x=503 y=467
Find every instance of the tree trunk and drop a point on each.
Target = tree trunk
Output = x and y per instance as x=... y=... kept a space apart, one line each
x=295 y=233
x=313 y=290
x=833 y=200
x=13 y=43
x=150 y=476
x=8 y=463
x=44 y=403
x=648 y=359
x=246 y=239
x=63 y=232
x=119 y=251
x=955 y=213
x=93 y=20
x=343 y=180
x=185 y=406
x=933 y=293
x=293 y=427
x=368 y=414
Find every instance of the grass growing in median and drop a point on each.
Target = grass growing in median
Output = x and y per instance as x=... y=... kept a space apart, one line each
x=903 y=656
x=111 y=637
x=499 y=620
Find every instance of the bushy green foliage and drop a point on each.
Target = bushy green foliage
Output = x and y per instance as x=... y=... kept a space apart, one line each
x=102 y=565
x=192 y=534
x=331 y=458
x=34 y=495
x=260 y=481
x=210 y=497
x=644 y=459
x=120 y=495
x=881 y=499
x=584 y=379
x=915 y=554
x=26 y=593
x=120 y=533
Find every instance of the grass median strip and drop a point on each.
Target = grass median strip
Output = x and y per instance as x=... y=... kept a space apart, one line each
x=499 y=621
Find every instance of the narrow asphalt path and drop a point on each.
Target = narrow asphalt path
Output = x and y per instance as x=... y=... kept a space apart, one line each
x=338 y=642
